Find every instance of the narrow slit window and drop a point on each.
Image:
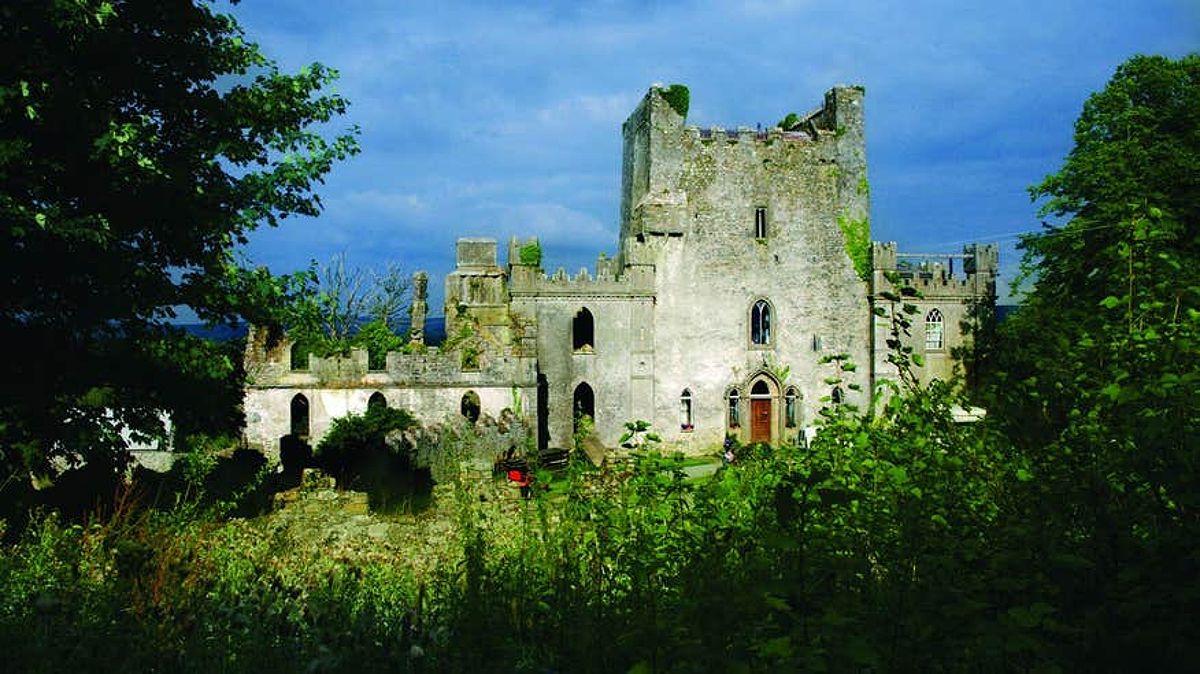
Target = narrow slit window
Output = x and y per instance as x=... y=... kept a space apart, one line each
x=789 y=407
x=734 y=417
x=685 y=410
x=934 y=331
x=760 y=222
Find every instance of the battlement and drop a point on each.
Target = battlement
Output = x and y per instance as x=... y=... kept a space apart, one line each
x=632 y=282
x=744 y=134
x=937 y=274
x=271 y=368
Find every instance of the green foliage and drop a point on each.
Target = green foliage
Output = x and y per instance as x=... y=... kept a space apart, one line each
x=857 y=233
x=584 y=428
x=142 y=143
x=531 y=254
x=1096 y=378
x=678 y=97
x=331 y=301
x=378 y=339
x=355 y=441
x=789 y=122
x=638 y=436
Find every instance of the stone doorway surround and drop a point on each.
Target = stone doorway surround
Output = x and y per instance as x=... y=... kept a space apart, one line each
x=763 y=393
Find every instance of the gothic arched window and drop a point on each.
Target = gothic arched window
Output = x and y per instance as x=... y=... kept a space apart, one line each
x=760 y=323
x=789 y=407
x=934 y=331
x=299 y=416
x=376 y=401
x=734 y=400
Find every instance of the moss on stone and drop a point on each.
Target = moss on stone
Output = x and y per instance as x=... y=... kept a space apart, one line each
x=857 y=232
x=678 y=97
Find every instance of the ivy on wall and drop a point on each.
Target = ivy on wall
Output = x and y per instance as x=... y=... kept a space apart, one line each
x=857 y=232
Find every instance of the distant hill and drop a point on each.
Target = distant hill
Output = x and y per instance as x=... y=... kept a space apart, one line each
x=435 y=330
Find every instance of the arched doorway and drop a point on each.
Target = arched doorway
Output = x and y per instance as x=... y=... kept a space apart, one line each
x=760 y=412
x=584 y=401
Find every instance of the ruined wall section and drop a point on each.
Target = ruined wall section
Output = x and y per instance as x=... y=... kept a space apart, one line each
x=617 y=365
x=964 y=296
x=694 y=224
x=430 y=385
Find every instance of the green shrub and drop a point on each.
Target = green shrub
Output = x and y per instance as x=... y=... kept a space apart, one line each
x=678 y=97
x=531 y=254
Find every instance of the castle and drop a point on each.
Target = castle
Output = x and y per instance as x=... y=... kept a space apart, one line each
x=744 y=259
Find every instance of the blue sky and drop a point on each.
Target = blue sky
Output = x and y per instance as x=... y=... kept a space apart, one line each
x=494 y=119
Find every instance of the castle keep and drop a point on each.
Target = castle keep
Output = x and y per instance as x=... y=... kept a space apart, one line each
x=744 y=258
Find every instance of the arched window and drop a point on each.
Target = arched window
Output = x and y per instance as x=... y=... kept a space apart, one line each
x=760 y=323
x=685 y=410
x=789 y=407
x=299 y=416
x=469 y=407
x=836 y=395
x=376 y=401
x=734 y=400
x=583 y=331
x=584 y=401
x=934 y=333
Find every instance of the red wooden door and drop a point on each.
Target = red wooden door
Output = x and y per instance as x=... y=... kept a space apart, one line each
x=760 y=420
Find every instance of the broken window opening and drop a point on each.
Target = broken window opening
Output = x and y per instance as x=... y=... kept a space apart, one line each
x=470 y=407
x=583 y=331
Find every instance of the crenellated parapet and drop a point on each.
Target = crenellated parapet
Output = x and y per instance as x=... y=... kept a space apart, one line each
x=967 y=275
x=634 y=281
x=271 y=368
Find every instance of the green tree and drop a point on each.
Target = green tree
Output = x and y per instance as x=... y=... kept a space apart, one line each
x=338 y=306
x=1098 y=373
x=140 y=142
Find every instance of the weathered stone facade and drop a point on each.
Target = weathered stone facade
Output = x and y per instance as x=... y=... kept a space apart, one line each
x=744 y=259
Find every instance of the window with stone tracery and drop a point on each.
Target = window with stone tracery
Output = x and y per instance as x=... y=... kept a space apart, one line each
x=934 y=331
x=760 y=323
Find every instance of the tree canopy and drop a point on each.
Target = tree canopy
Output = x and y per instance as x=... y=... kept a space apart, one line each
x=1096 y=380
x=140 y=142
